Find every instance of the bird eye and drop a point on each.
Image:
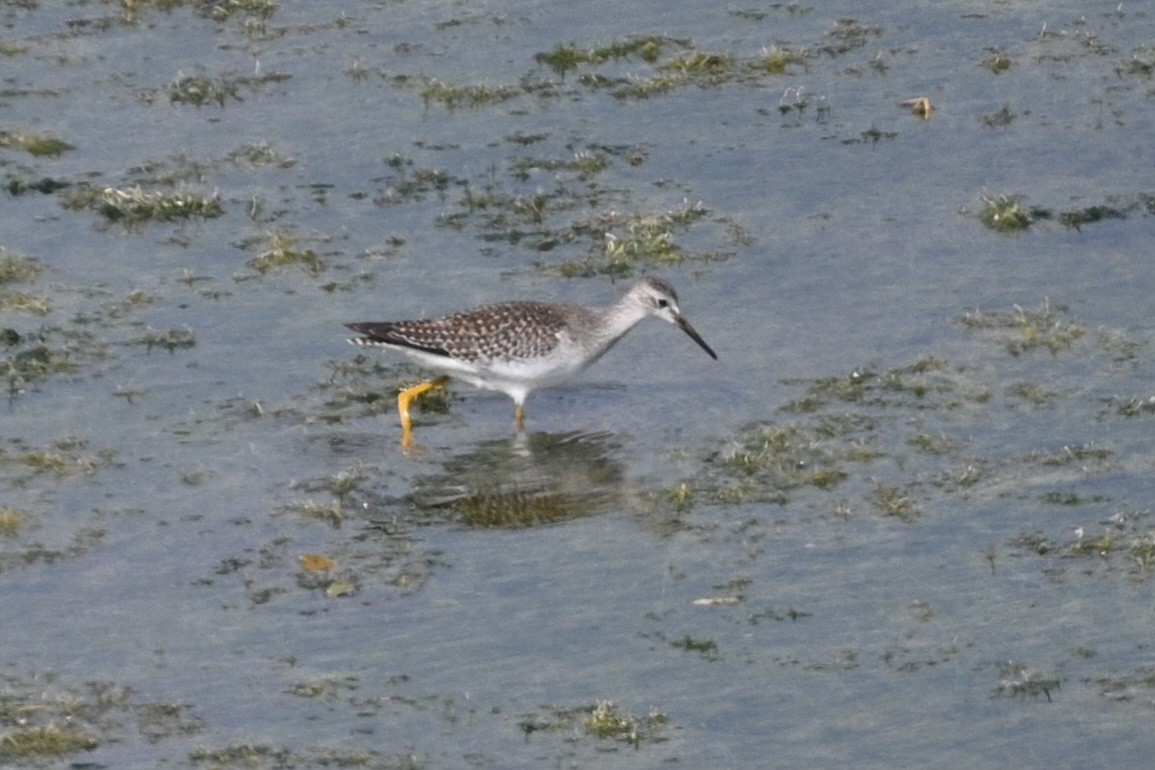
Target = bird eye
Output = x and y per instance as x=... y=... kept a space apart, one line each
x=663 y=303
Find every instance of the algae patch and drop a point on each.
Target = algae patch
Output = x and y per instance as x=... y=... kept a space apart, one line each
x=137 y=205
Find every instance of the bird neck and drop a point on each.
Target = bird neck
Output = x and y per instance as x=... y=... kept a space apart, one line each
x=616 y=320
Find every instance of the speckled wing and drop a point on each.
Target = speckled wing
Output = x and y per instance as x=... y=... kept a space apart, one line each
x=511 y=330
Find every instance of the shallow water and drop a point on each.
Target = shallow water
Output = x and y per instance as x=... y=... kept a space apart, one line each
x=877 y=532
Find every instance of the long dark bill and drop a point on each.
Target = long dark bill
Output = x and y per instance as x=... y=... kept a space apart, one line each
x=684 y=325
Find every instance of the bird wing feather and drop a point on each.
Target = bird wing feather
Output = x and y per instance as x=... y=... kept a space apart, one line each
x=511 y=330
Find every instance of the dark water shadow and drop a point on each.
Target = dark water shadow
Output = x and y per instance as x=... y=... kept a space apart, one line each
x=527 y=480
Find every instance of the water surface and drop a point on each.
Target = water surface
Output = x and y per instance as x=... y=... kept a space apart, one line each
x=903 y=522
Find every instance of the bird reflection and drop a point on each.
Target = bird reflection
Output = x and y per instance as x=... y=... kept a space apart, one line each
x=531 y=479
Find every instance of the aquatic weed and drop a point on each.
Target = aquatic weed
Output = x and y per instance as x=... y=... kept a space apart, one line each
x=474 y=95
x=997 y=62
x=12 y=521
x=45 y=741
x=33 y=363
x=606 y=720
x=893 y=500
x=170 y=340
x=1004 y=214
x=777 y=60
x=40 y=145
x=282 y=250
x=136 y=205
x=1025 y=330
x=1017 y=679
x=564 y=58
x=635 y=240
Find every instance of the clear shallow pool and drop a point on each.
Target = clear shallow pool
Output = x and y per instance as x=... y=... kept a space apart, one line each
x=878 y=532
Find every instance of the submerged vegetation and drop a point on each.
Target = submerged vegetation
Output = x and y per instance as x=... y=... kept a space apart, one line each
x=17 y=269
x=26 y=362
x=170 y=340
x=12 y=521
x=206 y=90
x=474 y=95
x=568 y=57
x=1023 y=331
x=1008 y=214
x=555 y=213
x=1004 y=214
x=218 y=10
x=1017 y=679
x=902 y=445
x=1124 y=541
x=840 y=428
x=607 y=721
x=640 y=240
x=667 y=64
x=40 y=145
x=998 y=62
x=65 y=457
x=52 y=740
x=137 y=205
x=603 y=720
x=281 y=250
x=44 y=720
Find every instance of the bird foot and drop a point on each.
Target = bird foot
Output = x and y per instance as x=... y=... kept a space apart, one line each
x=405 y=397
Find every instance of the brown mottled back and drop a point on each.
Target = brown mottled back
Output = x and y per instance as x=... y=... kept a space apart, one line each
x=510 y=330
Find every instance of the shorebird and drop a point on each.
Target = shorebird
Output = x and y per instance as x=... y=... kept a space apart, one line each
x=519 y=347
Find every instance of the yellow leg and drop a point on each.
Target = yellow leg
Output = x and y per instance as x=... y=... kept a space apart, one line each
x=519 y=417
x=405 y=397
